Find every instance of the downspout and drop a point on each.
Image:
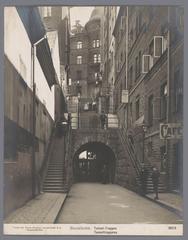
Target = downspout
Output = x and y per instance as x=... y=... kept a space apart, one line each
x=127 y=48
x=33 y=121
x=33 y=168
x=168 y=93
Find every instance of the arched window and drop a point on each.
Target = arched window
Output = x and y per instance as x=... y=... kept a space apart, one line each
x=79 y=45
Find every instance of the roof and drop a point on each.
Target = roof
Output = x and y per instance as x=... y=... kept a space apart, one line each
x=35 y=30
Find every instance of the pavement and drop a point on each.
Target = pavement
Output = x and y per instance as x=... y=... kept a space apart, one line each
x=99 y=203
x=95 y=203
x=171 y=201
x=42 y=209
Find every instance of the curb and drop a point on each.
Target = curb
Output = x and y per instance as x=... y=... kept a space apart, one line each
x=57 y=216
x=167 y=206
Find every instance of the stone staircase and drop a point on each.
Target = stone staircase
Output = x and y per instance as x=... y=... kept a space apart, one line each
x=55 y=176
x=137 y=164
x=149 y=182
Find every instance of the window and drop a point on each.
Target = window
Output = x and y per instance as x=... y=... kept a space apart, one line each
x=136 y=67
x=139 y=63
x=150 y=110
x=69 y=82
x=96 y=58
x=79 y=75
x=131 y=76
x=47 y=11
x=163 y=108
x=158 y=46
x=79 y=59
x=138 y=23
x=178 y=91
x=99 y=58
x=79 y=45
x=137 y=107
x=131 y=113
x=131 y=35
x=96 y=43
x=96 y=75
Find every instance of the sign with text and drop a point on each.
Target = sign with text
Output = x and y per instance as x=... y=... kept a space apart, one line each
x=171 y=131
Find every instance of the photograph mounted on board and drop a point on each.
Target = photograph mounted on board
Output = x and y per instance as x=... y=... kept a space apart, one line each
x=93 y=120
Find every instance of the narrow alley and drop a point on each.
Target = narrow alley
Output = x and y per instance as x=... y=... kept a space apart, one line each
x=93 y=203
x=93 y=119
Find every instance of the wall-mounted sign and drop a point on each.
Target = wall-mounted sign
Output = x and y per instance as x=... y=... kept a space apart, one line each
x=171 y=131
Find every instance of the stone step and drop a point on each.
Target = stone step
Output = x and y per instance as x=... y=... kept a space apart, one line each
x=55 y=191
x=55 y=170
x=53 y=181
x=57 y=167
x=53 y=187
x=55 y=163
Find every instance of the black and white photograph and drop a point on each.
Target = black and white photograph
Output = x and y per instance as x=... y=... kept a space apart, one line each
x=93 y=120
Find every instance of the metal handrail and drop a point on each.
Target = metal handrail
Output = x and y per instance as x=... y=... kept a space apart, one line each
x=131 y=149
x=67 y=157
x=46 y=159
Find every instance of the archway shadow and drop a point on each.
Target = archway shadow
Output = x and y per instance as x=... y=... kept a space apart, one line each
x=94 y=162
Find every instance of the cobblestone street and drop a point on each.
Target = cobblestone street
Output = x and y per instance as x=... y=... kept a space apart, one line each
x=101 y=203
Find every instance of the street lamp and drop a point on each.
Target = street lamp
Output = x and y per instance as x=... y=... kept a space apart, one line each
x=144 y=127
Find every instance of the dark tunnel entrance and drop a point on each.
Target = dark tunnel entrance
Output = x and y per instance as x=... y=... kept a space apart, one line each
x=94 y=162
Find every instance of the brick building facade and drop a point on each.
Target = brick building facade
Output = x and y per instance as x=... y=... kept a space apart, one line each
x=85 y=57
x=154 y=81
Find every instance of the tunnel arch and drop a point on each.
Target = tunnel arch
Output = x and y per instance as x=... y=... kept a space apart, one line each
x=97 y=166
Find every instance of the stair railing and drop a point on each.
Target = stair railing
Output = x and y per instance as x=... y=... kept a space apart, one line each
x=67 y=159
x=47 y=155
x=131 y=150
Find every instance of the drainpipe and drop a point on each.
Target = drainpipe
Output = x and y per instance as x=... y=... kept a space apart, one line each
x=168 y=92
x=127 y=48
x=34 y=175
